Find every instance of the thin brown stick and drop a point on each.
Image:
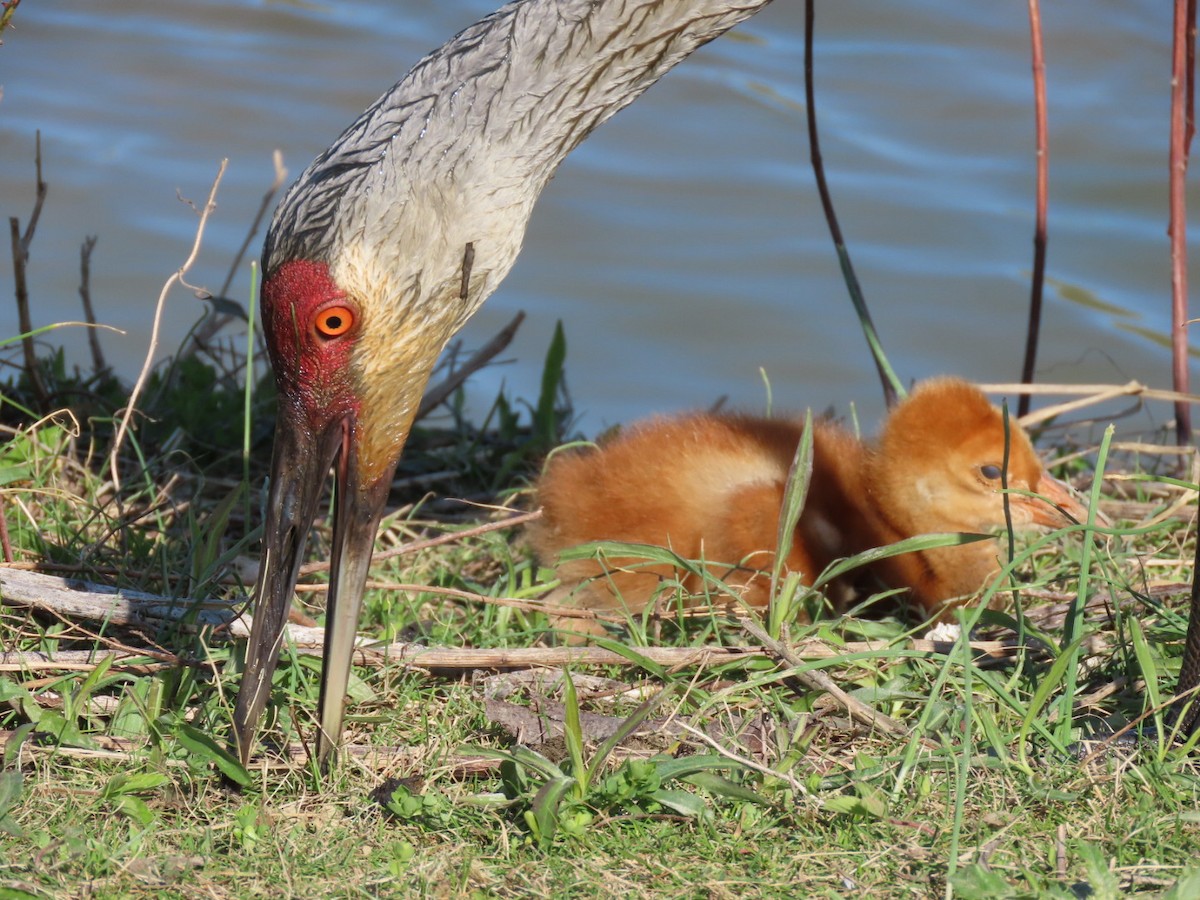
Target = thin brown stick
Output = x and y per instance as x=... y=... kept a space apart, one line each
x=308 y=642
x=21 y=243
x=152 y=349
x=5 y=540
x=1060 y=409
x=428 y=543
x=1171 y=705
x=281 y=174
x=1183 y=64
x=1043 y=179
x=79 y=661
x=550 y=609
x=72 y=600
x=1092 y=394
x=436 y=395
x=1189 y=670
x=99 y=366
x=1190 y=123
x=208 y=329
x=741 y=760
x=1129 y=387
x=817 y=680
x=1181 y=52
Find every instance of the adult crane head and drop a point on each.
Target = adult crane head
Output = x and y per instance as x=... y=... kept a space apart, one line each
x=385 y=246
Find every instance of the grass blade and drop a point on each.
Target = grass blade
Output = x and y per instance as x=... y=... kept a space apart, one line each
x=203 y=746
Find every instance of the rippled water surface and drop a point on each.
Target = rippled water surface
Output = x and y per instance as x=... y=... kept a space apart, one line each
x=682 y=245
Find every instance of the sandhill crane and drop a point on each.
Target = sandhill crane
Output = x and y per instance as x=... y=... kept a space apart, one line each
x=390 y=240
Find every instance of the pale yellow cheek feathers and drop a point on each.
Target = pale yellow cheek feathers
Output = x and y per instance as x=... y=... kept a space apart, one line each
x=398 y=343
x=407 y=321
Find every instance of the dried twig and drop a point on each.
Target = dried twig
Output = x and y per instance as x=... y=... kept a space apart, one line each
x=152 y=349
x=1182 y=61
x=741 y=760
x=80 y=661
x=5 y=540
x=1189 y=671
x=817 y=680
x=208 y=329
x=429 y=543
x=20 y=254
x=99 y=366
x=436 y=395
x=1092 y=394
x=308 y=642
x=75 y=600
x=1043 y=177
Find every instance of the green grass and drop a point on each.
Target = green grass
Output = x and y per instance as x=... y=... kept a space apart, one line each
x=744 y=784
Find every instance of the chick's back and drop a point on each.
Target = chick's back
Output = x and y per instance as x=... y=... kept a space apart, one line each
x=705 y=486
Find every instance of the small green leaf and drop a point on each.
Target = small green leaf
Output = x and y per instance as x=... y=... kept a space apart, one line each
x=403 y=803
x=723 y=787
x=522 y=756
x=1145 y=658
x=870 y=805
x=686 y=766
x=974 y=882
x=16 y=695
x=134 y=784
x=202 y=745
x=64 y=731
x=92 y=680
x=1185 y=887
x=632 y=722
x=545 y=806
x=11 y=784
x=1101 y=879
x=9 y=474
x=135 y=808
x=681 y=802
x=793 y=499
x=573 y=732
x=908 y=545
x=12 y=749
x=545 y=431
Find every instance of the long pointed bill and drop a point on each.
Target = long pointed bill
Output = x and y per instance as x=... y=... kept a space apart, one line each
x=357 y=510
x=299 y=467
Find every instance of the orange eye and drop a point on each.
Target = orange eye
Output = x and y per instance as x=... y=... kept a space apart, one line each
x=334 y=321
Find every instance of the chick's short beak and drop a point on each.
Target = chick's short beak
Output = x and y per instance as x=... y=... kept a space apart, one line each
x=1058 y=506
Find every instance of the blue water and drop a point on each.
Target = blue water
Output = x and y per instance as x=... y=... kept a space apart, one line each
x=682 y=245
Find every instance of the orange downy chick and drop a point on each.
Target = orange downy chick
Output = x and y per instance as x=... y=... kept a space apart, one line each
x=711 y=487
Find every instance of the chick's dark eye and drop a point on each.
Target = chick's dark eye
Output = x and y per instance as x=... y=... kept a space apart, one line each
x=991 y=473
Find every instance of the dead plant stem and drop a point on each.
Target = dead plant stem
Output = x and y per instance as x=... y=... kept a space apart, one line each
x=152 y=349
